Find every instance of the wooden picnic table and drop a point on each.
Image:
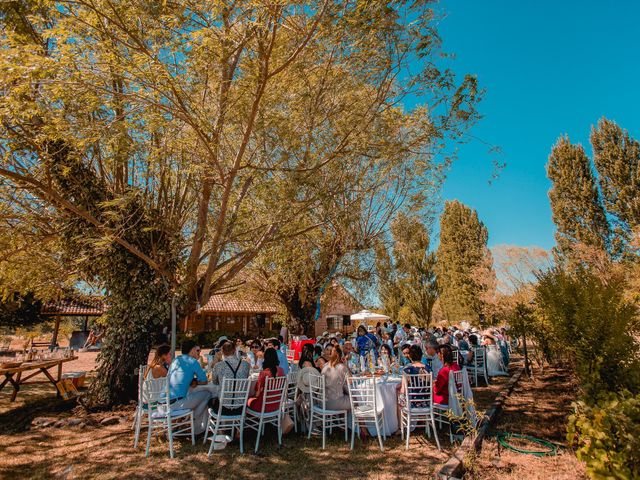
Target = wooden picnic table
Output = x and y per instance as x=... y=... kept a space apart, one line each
x=13 y=375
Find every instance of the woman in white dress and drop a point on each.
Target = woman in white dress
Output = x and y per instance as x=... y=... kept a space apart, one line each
x=495 y=365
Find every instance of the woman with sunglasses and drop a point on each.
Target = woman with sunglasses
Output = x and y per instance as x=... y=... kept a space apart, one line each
x=255 y=355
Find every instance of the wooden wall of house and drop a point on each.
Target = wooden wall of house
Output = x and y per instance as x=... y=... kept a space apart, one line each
x=232 y=323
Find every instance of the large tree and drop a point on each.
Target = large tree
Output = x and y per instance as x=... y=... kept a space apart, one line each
x=617 y=159
x=576 y=204
x=167 y=141
x=398 y=166
x=461 y=255
x=415 y=266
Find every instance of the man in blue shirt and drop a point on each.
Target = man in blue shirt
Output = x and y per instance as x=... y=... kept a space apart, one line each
x=184 y=371
x=282 y=358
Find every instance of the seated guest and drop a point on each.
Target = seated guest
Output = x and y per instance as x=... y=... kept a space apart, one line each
x=282 y=358
x=184 y=371
x=240 y=348
x=328 y=350
x=306 y=357
x=462 y=344
x=473 y=343
x=255 y=355
x=404 y=354
x=335 y=382
x=432 y=359
x=349 y=358
x=270 y=369
x=386 y=339
x=441 y=385
x=320 y=363
x=231 y=365
x=386 y=356
x=415 y=367
x=159 y=366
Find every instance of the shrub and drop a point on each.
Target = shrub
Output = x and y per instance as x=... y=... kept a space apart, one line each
x=607 y=436
x=590 y=320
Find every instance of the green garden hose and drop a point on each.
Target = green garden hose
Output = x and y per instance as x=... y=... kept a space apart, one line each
x=550 y=449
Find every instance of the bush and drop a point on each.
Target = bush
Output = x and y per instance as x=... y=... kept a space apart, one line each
x=590 y=320
x=607 y=436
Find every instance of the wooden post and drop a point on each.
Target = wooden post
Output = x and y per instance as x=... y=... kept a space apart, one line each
x=56 y=328
x=174 y=326
x=526 y=355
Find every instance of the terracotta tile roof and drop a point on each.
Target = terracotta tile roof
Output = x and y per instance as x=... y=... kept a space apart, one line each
x=229 y=303
x=92 y=307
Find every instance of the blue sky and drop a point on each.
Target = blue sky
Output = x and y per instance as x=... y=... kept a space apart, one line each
x=549 y=68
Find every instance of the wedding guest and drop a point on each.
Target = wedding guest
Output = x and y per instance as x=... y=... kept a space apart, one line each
x=432 y=358
x=184 y=372
x=306 y=357
x=255 y=355
x=282 y=358
x=270 y=369
x=159 y=366
x=335 y=382
x=441 y=385
x=231 y=365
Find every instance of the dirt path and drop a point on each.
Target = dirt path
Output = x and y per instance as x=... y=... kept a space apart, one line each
x=539 y=408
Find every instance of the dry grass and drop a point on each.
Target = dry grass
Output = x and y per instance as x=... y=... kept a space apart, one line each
x=539 y=408
x=107 y=452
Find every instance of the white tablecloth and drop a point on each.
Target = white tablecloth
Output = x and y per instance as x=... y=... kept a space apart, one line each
x=387 y=397
x=254 y=381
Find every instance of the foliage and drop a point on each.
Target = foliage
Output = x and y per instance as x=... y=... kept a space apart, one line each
x=20 y=311
x=589 y=319
x=461 y=252
x=575 y=200
x=388 y=286
x=165 y=146
x=616 y=156
x=406 y=279
x=607 y=435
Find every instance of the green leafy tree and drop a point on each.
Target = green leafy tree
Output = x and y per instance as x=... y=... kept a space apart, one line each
x=460 y=255
x=167 y=142
x=575 y=200
x=617 y=159
x=415 y=266
x=389 y=290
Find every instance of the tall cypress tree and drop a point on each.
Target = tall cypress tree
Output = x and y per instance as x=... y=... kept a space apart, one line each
x=617 y=159
x=576 y=204
x=461 y=253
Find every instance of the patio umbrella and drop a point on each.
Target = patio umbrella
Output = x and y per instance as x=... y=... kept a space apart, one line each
x=369 y=316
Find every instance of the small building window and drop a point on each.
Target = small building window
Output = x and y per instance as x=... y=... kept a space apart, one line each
x=334 y=323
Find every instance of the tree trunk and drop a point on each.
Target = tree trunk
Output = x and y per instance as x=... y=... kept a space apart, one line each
x=302 y=314
x=138 y=308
